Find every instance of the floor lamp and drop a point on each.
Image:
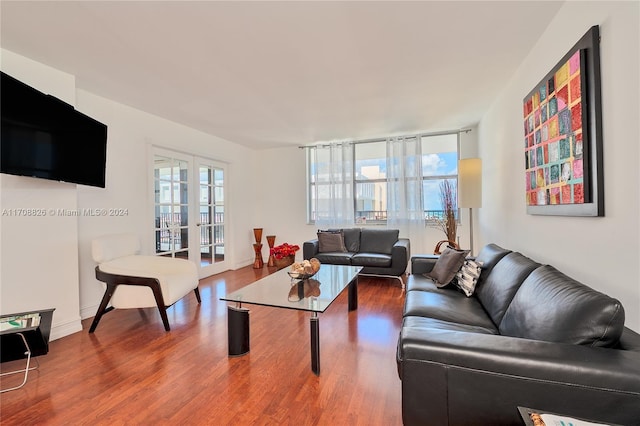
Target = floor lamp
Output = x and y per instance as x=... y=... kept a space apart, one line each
x=470 y=189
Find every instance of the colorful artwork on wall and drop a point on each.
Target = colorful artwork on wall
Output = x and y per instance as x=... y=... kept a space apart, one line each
x=563 y=137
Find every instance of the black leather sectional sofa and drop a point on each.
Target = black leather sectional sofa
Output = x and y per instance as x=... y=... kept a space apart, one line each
x=529 y=336
x=379 y=251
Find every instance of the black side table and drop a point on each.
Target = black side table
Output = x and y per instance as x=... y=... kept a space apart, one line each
x=24 y=335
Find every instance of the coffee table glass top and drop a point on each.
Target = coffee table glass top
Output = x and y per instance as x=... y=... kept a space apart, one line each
x=314 y=294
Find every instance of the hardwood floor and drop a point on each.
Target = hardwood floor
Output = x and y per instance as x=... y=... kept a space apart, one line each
x=130 y=371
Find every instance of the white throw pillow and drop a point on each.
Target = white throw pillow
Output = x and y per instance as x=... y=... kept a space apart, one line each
x=467 y=276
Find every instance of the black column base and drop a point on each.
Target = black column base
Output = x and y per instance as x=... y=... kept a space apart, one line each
x=238 y=331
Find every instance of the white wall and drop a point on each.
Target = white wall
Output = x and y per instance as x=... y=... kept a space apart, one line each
x=39 y=262
x=131 y=135
x=46 y=262
x=603 y=253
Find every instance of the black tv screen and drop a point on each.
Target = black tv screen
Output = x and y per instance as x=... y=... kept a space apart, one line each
x=44 y=137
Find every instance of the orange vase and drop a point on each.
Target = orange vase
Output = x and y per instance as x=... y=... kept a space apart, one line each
x=257 y=233
x=271 y=240
x=258 y=262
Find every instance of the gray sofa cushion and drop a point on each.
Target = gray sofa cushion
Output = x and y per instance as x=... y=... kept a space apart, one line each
x=490 y=255
x=436 y=324
x=447 y=305
x=553 y=307
x=335 y=258
x=371 y=259
x=418 y=282
x=352 y=239
x=497 y=290
x=378 y=240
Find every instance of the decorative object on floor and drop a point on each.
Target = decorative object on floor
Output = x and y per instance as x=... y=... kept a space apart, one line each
x=563 y=135
x=448 y=222
x=257 y=249
x=271 y=240
x=470 y=189
x=122 y=268
x=284 y=255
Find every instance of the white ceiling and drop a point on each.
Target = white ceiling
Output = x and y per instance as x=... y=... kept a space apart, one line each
x=266 y=74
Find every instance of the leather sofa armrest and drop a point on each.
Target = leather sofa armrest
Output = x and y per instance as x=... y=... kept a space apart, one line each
x=310 y=249
x=577 y=364
x=423 y=263
x=514 y=371
x=400 y=254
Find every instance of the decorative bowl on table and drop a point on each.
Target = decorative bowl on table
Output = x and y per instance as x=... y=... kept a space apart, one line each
x=304 y=270
x=300 y=275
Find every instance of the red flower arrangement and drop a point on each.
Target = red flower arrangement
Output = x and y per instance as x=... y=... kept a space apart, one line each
x=284 y=250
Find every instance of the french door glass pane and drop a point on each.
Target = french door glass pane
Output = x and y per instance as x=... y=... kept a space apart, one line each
x=211 y=210
x=218 y=219
x=171 y=198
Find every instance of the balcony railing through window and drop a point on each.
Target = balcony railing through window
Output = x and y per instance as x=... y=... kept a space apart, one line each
x=168 y=229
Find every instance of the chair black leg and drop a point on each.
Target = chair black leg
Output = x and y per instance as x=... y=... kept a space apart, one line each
x=102 y=309
x=157 y=293
x=197 y=292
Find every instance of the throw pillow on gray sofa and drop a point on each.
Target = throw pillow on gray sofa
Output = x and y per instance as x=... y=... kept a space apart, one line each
x=331 y=242
x=447 y=265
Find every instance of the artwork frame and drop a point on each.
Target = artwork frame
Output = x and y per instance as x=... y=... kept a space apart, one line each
x=563 y=135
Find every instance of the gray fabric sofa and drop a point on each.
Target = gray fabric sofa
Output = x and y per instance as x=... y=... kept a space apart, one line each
x=529 y=336
x=379 y=251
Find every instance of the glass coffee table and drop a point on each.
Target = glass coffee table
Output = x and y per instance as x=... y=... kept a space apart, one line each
x=278 y=290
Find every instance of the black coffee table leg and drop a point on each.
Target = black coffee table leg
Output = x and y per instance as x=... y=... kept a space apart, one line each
x=315 y=343
x=353 y=294
x=238 y=330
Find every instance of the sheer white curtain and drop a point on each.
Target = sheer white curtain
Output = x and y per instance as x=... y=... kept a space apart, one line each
x=404 y=191
x=333 y=196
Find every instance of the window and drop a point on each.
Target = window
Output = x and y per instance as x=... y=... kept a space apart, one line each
x=370 y=182
x=439 y=162
x=366 y=177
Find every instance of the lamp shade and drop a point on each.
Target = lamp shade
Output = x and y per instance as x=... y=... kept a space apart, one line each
x=470 y=183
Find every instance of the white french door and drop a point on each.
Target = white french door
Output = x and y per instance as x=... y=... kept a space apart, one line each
x=211 y=216
x=189 y=209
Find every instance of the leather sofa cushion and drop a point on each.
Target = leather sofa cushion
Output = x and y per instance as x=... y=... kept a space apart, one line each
x=336 y=258
x=420 y=283
x=436 y=324
x=553 y=307
x=447 y=305
x=371 y=259
x=352 y=239
x=490 y=255
x=499 y=287
x=378 y=240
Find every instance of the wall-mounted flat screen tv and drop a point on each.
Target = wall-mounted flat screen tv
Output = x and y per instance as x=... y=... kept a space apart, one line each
x=44 y=137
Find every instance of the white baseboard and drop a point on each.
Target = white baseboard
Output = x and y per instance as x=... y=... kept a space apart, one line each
x=65 y=329
x=89 y=311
